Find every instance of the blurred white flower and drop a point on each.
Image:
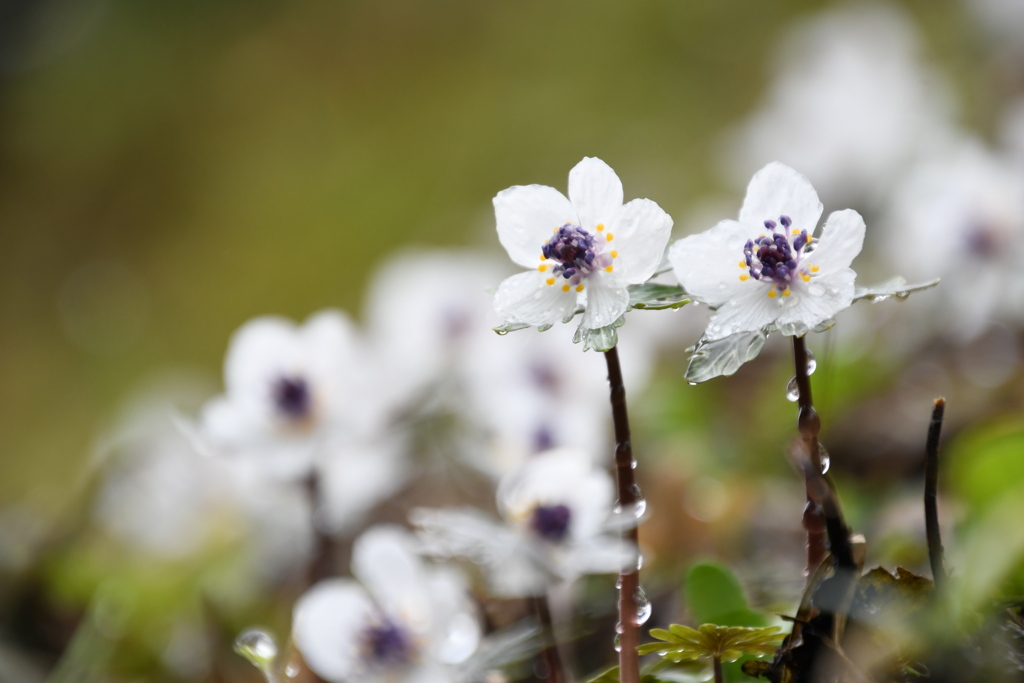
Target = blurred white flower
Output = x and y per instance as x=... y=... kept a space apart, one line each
x=581 y=251
x=1004 y=19
x=960 y=216
x=851 y=103
x=558 y=524
x=767 y=268
x=399 y=621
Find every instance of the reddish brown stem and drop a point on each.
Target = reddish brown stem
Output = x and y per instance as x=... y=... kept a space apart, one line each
x=719 y=677
x=629 y=494
x=323 y=545
x=809 y=424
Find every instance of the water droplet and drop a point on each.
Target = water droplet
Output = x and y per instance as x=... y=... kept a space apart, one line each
x=643 y=607
x=617 y=643
x=292 y=670
x=694 y=304
x=618 y=583
x=502 y=332
x=633 y=464
x=815 y=290
x=812 y=363
x=619 y=628
x=639 y=561
x=792 y=390
x=634 y=511
x=902 y=295
x=825 y=462
x=692 y=384
x=722 y=285
x=258 y=647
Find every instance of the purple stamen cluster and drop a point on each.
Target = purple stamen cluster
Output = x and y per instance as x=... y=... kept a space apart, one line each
x=576 y=252
x=551 y=522
x=772 y=256
x=292 y=397
x=387 y=645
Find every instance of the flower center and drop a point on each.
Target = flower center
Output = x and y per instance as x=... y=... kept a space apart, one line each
x=576 y=253
x=292 y=398
x=775 y=258
x=386 y=644
x=551 y=522
x=983 y=242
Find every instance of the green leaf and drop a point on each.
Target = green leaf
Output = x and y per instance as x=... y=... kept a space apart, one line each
x=714 y=596
x=896 y=287
x=655 y=297
x=724 y=356
x=727 y=643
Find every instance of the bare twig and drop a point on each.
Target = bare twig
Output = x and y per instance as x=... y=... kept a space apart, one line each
x=629 y=633
x=931 y=483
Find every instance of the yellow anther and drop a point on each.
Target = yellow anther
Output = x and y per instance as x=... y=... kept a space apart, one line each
x=615 y=254
x=565 y=288
x=579 y=288
x=815 y=269
x=807 y=278
x=608 y=269
x=542 y=267
x=600 y=227
x=771 y=293
x=786 y=293
x=609 y=237
x=795 y=231
x=743 y=264
x=550 y=281
x=744 y=277
x=543 y=257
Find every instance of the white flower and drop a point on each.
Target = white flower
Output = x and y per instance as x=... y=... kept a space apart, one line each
x=401 y=621
x=558 y=525
x=581 y=251
x=961 y=216
x=767 y=269
x=853 y=102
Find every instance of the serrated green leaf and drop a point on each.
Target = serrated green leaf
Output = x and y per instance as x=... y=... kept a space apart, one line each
x=724 y=356
x=896 y=287
x=652 y=296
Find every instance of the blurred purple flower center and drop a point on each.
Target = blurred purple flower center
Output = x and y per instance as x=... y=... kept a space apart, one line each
x=292 y=397
x=387 y=645
x=551 y=522
x=576 y=251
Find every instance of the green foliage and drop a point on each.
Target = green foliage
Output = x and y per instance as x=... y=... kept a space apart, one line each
x=714 y=596
x=727 y=643
x=654 y=297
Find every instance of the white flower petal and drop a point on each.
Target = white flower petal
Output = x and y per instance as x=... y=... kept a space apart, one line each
x=527 y=298
x=455 y=632
x=607 y=299
x=527 y=215
x=751 y=310
x=841 y=240
x=641 y=233
x=596 y=193
x=328 y=621
x=258 y=350
x=777 y=190
x=384 y=560
x=816 y=301
x=356 y=474
x=707 y=264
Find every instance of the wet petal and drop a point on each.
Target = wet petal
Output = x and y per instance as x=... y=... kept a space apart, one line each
x=528 y=298
x=707 y=264
x=258 y=350
x=817 y=301
x=527 y=215
x=751 y=310
x=841 y=241
x=384 y=560
x=641 y=234
x=777 y=190
x=328 y=622
x=607 y=299
x=596 y=193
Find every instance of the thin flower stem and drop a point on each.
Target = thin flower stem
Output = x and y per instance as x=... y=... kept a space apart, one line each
x=550 y=655
x=629 y=494
x=323 y=544
x=809 y=424
x=931 y=484
x=717 y=662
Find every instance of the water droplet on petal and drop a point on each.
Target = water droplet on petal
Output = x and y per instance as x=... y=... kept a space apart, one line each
x=258 y=647
x=815 y=290
x=792 y=390
x=643 y=607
